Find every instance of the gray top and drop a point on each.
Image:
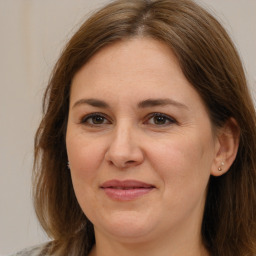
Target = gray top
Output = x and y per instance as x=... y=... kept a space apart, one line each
x=39 y=250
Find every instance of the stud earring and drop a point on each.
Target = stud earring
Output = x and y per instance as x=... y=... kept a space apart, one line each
x=68 y=165
x=220 y=167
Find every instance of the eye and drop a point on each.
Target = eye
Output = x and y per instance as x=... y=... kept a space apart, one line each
x=160 y=119
x=95 y=119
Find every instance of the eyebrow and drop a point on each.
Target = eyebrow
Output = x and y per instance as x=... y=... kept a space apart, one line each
x=93 y=102
x=143 y=104
x=160 y=102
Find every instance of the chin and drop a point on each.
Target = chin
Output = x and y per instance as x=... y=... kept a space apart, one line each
x=128 y=227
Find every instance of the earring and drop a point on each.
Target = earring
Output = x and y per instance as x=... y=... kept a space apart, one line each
x=220 y=167
x=68 y=165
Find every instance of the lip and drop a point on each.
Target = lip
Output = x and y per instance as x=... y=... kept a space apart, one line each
x=126 y=190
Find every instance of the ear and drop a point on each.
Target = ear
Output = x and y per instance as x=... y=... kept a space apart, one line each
x=227 y=143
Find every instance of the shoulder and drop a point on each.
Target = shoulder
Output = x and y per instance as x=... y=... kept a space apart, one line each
x=39 y=250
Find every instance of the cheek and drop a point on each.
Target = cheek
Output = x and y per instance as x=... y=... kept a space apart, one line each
x=183 y=163
x=85 y=157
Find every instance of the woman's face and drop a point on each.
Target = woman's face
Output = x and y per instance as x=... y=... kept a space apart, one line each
x=140 y=143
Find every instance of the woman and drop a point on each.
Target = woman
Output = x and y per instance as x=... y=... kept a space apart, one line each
x=148 y=138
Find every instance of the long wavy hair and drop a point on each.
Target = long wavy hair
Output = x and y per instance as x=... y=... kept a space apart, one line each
x=211 y=64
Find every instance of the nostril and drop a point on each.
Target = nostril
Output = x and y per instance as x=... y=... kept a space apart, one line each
x=130 y=162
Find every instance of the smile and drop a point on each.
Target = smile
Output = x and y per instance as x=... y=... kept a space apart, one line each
x=126 y=190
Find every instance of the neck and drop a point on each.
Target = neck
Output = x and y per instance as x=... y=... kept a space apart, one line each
x=163 y=246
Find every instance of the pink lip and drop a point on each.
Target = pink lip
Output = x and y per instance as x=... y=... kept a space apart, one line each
x=126 y=190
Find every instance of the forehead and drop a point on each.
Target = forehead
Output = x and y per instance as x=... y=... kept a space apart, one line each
x=133 y=70
x=136 y=50
x=130 y=60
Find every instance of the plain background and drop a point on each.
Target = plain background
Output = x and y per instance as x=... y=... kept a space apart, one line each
x=33 y=33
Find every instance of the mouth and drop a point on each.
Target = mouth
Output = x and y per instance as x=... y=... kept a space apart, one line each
x=126 y=190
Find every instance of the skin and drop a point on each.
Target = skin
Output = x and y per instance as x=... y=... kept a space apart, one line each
x=176 y=152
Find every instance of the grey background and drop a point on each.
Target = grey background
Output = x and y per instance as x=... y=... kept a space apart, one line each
x=32 y=35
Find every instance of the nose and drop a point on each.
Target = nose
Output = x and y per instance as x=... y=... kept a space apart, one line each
x=124 y=149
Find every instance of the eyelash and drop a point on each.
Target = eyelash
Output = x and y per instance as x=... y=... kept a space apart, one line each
x=85 y=119
x=165 y=118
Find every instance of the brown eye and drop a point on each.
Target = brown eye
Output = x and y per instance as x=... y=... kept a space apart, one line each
x=95 y=119
x=160 y=119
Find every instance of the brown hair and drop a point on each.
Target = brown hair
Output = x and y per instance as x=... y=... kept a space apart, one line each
x=211 y=64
